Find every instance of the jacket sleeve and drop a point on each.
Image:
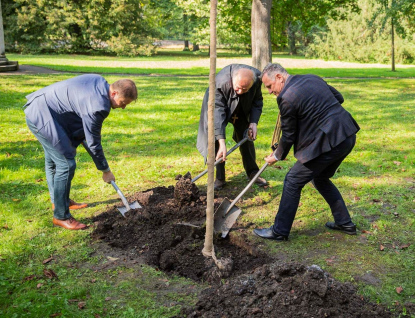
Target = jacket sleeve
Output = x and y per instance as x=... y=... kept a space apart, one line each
x=220 y=114
x=257 y=105
x=289 y=129
x=336 y=94
x=92 y=127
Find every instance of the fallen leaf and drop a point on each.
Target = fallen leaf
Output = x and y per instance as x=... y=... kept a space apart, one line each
x=39 y=180
x=50 y=273
x=356 y=198
x=112 y=259
x=7 y=155
x=16 y=200
x=381 y=247
x=93 y=281
x=55 y=315
x=367 y=232
x=30 y=277
x=376 y=200
x=97 y=316
x=47 y=260
x=397 y=163
x=107 y=298
x=399 y=289
x=405 y=246
x=29 y=221
x=81 y=305
x=39 y=285
x=396 y=214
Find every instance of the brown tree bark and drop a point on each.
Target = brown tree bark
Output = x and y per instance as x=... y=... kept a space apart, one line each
x=261 y=33
x=208 y=249
x=393 y=46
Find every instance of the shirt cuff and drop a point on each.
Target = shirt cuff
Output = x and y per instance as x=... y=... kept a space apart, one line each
x=106 y=170
x=275 y=156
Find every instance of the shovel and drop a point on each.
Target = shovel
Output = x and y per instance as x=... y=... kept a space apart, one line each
x=228 y=212
x=246 y=137
x=127 y=206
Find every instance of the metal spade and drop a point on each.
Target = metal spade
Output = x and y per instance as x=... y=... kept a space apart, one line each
x=127 y=206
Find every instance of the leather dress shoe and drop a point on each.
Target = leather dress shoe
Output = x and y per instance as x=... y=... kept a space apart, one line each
x=261 y=182
x=219 y=184
x=73 y=205
x=348 y=229
x=70 y=224
x=270 y=234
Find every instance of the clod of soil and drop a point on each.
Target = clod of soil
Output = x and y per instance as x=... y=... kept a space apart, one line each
x=185 y=190
x=284 y=290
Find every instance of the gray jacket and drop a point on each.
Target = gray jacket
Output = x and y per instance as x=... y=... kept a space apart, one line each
x=71 y=111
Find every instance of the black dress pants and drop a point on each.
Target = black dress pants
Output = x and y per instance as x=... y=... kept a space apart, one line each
x=318 y=171
x=247 y=149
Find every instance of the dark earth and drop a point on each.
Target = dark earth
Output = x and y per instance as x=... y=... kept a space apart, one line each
x=168 y=233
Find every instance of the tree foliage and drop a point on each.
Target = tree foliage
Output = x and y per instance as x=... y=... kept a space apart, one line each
x=115 y=26
x=362 y=38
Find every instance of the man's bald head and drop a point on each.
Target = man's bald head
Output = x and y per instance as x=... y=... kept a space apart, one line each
x=242 y=80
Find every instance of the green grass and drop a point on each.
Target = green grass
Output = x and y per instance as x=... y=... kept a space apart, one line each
x=152 y=141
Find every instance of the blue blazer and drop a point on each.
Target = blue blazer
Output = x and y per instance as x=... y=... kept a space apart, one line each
x=71 y=111
x=312 y=118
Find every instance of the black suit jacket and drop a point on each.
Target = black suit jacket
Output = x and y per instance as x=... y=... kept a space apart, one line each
x=226 y=101
x=312 y=118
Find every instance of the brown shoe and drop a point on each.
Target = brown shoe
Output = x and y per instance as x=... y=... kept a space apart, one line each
x=70 y=224
x=219 y=184
x=73 y=205
x=261 y=182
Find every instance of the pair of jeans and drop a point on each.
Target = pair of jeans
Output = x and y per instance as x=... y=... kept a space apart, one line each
x=318 y=171
x=247 y=149
x=59 y=174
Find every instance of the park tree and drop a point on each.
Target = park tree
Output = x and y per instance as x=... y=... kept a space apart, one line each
x=261 y=33
x=117 y=26
x=400 y=15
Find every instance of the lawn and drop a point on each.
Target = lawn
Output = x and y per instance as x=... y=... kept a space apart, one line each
x=152 y=141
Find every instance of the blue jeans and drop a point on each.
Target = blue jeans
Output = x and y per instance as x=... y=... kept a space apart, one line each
x=59 y=174
x=318 y=171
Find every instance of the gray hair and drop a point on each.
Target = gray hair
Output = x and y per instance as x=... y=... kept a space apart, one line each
x=273 y=69
x=253 y=75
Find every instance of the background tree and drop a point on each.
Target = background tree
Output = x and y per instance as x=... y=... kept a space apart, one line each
x=400 y=14
x=261 y=34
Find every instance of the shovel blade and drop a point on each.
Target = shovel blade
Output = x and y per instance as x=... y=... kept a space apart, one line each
x=134 y=205
x=223 y=221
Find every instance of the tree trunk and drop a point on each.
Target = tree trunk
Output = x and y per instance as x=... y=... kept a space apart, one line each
x=208 y=249
x=393 y=47
x=291 y=38
x=195 y=47
x=186 y=45
x=261 y=33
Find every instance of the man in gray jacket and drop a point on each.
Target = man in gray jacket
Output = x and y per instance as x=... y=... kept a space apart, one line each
x=66 y=114
x=238 y=100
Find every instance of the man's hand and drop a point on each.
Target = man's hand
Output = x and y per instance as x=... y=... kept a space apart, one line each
x=271 y=159
x=222 y=150
x=252 y=131
x=108 y=177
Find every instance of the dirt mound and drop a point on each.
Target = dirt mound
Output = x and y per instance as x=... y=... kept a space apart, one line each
x=168 y=233
x=288 y=290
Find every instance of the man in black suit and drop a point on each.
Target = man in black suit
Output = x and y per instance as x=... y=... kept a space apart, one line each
x=322 y=132
x=238 y=99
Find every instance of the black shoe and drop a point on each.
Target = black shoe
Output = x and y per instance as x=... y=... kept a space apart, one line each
x=219 y=184
x=261 y=182
x=269 y=234
x=348 y=229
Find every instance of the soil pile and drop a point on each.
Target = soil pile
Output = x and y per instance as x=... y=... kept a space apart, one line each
x=168 y=233
x=287 y=290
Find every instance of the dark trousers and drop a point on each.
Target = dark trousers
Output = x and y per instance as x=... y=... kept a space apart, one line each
x=318 y=171
x=247 y=149
x=59 y=174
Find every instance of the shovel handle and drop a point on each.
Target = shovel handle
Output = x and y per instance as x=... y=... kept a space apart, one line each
x=246 y=137
x=123 y=199
x=247 y=187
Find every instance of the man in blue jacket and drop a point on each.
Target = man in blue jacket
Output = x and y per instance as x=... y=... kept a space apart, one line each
x=64 y=115
x=322 y=132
